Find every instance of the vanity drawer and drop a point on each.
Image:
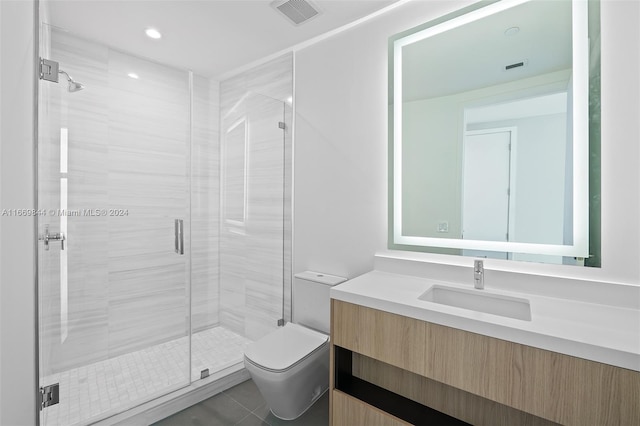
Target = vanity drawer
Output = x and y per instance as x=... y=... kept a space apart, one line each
x=557 y=387
x=390 y=338
x=350 y=411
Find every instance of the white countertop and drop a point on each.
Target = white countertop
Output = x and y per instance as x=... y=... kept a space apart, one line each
x=602 y=333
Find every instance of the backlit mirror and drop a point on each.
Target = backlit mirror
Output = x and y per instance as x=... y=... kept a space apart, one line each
x=490 y=132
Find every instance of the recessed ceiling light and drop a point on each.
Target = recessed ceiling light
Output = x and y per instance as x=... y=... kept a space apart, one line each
x=133 y=75
x=512 y=31
x=153 y=33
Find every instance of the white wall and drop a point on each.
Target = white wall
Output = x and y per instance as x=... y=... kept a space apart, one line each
x=340 y=203
x=340 y=152
x=17 y=236
x=620 y=147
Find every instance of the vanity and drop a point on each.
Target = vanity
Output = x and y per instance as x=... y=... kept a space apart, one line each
x=398 y=358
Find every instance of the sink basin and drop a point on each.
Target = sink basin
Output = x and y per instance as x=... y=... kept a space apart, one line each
x=477 y=300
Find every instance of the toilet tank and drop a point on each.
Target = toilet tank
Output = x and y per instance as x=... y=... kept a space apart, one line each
x=311 y=301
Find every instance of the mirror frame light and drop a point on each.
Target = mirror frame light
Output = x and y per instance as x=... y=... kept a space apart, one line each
x=580 y=123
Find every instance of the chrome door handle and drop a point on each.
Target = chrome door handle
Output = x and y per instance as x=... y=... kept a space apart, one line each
x=46 y=237
x=179 y=236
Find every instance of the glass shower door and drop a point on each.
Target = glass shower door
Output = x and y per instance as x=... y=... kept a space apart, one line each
x=113 y=198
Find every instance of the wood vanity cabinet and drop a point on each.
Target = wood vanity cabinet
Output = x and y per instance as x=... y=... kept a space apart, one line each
x=474 y=378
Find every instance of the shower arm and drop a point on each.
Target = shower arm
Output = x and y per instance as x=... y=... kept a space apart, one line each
x=69 y=78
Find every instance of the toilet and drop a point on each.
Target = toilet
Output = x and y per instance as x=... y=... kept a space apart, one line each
x=290 y=366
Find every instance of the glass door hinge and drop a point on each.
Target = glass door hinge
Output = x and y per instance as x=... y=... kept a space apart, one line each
x=49 y=395
x=49 y=70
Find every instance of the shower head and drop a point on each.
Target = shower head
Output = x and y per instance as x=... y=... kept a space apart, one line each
x=74 y=86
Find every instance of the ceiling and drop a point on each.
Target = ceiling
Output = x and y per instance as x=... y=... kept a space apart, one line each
x=210 y=37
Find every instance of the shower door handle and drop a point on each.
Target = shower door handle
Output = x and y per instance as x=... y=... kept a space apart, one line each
x=179 y=236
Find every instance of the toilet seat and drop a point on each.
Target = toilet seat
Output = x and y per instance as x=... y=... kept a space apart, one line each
x=285 y=348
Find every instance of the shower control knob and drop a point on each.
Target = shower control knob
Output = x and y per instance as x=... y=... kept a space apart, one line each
x=47 y=237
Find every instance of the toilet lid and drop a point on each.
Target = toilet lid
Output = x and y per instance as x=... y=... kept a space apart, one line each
x=285 y=347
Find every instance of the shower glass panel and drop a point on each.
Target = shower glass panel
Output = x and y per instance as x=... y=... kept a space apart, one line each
x=113 y=179
x=252 y=231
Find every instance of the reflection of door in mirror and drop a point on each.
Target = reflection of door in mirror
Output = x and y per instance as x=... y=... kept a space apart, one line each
x=535 y=210
x=486 y=183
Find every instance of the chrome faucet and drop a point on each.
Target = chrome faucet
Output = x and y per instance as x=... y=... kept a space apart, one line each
x=478 y=274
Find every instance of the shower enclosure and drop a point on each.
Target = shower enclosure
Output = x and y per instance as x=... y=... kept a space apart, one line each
x=163 y=227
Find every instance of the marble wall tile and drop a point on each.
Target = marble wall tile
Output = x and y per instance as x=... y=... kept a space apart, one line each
x=148 y=165
x=232 y=282
x=288 y=209
x=255 y=265
x=205 y=201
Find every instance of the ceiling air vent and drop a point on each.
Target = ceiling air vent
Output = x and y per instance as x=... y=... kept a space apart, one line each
x=515 y=65
x=298 y=11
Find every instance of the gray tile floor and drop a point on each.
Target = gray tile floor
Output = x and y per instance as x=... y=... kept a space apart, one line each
x=243 y=405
